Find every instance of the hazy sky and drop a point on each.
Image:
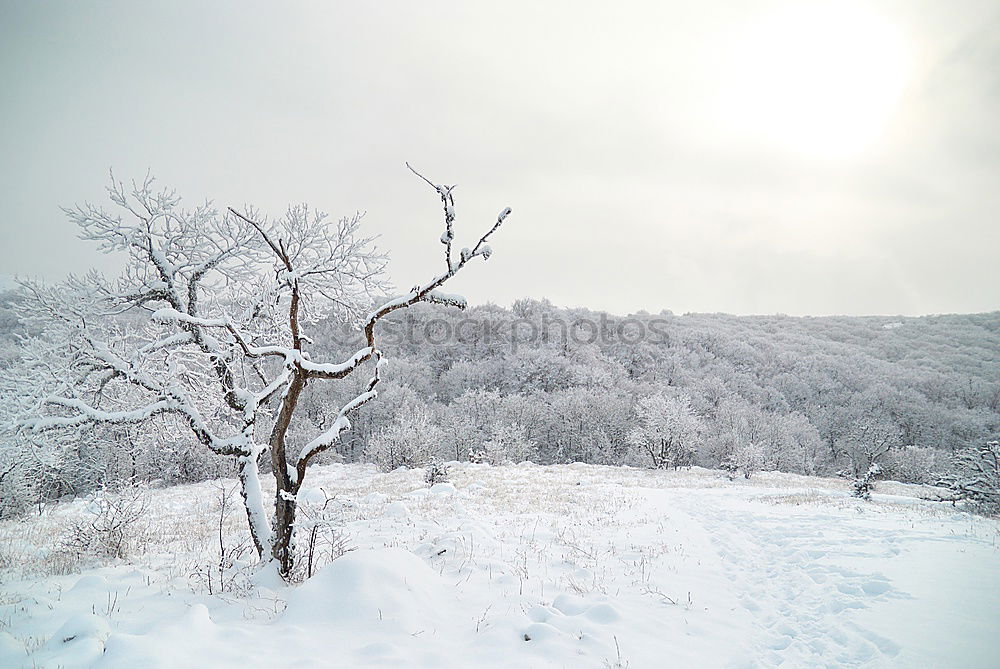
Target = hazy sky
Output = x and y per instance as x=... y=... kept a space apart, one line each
x=746 y=157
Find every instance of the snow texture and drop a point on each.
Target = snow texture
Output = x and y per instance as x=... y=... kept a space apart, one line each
x=531 y=566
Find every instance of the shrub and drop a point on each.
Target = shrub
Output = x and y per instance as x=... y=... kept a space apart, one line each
x=115 y=525
x=864 y=485
x=437 y=472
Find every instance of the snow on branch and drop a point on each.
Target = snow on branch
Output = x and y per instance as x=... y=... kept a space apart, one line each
x=169 y=341
x=437 y=297
x=168 y=314
x=331 y=435
x=427 y=292
x=448 y=201
x=328 y=370
x=88 y=414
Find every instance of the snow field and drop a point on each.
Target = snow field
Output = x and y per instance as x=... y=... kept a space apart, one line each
x=526 y=566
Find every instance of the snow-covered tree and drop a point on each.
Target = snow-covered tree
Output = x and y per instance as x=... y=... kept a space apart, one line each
x=581 y=425
x=505 y=443
x=412 y=440
x=912 y=464
x=867 y=442
x=667 y=430
x=467 y=419
x=871 y=432
x=19 y=474
x=740 y=423
x=206 y=327
x=485 y=426
x=743 y=456
x=864 y=485
x=976 y=476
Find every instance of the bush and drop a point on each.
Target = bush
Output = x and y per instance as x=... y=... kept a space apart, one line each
x=321 y=533
x=864 y=485
x=115 y=525
x=746 y=456
x=437 y=472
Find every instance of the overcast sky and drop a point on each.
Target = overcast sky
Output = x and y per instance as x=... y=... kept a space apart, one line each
x=744 y=157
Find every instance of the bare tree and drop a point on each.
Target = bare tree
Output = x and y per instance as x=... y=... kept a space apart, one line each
x=206 y=326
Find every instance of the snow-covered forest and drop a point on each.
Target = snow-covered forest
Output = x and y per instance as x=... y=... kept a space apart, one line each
x=555 y=385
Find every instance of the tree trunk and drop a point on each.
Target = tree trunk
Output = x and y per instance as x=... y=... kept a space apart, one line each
x=286 y=489
x=284 y=531
x=253 y=502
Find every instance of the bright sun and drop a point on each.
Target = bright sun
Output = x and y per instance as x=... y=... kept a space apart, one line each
x=821 y=80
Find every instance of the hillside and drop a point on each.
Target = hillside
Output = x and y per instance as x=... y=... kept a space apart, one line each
x=930 y=382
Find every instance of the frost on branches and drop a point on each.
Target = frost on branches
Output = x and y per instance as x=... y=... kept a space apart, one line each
x=205 y=329
x=667 y=431
x=976 y=477
x=412 y=440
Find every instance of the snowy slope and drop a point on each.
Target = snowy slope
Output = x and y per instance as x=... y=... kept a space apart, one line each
x=529 y=566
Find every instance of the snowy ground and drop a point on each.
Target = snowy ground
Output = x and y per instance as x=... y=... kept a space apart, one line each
x=528 y=566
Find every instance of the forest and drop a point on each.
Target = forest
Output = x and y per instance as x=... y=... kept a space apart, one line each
x=821 y=396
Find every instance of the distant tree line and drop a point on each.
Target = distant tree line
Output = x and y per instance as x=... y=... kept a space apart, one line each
x=535 y=382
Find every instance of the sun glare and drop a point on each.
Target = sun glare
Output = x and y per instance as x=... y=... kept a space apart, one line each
x=821 y=80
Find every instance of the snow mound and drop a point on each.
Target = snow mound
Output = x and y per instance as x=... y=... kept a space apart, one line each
x=188 y=639
x=397 y=510
x=79 y=627
x=90 y=584
x=312 y=496
x=388 y=588
x=443 y=489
